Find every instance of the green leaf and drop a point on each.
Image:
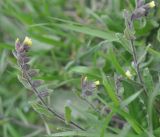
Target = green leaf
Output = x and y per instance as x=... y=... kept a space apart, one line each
x=3 y=62
x=130 y=99
x=148 y=80
x=40 y=109
x=110 y=36
x=6 y=46
x=143 y=56
x=106 y=123
x=86 y=70
x=48 y=40
x=124 y=42
x=135 y=106
x=109 y=90
x=158 y=35
x=76 y=133
x=24 y=82
x=22 y=116
x=135 y=125
x=153 y=116
x=115 y=62
x=68 y=112
x=12 y=131
x=154 y=52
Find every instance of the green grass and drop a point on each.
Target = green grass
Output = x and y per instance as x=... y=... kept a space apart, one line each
x=73 y=39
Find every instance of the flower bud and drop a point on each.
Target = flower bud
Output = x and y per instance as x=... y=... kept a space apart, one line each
x=17 y=40
x=128 y=74
x=152 y=4
x=88 y=87
x=138 y=13
x=27 y=41
x=97 y=83
x=142 y=10
x=17 y=44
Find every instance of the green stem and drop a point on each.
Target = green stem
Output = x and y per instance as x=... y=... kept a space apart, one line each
x=136 y=64
x=45 y=104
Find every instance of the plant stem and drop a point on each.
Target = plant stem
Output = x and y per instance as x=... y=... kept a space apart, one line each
x=45 y=104
x=136 y=64
x=13 y=120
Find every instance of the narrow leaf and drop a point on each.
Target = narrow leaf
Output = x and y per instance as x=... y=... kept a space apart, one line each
x=68 y=112
x=74 y=133
x=110 y=36
x=148 y=80
x=86 y=70
x=130 y=99
x=115 y=62
x=40 y=109
x=110 y=91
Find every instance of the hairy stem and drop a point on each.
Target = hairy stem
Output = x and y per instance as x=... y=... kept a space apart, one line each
x=45 y=104
x=137 y=65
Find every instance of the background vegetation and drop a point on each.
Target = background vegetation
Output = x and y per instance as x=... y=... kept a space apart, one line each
x=72 y=39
